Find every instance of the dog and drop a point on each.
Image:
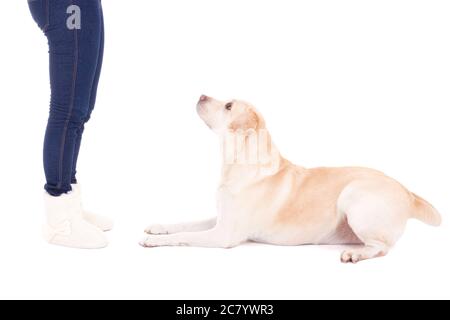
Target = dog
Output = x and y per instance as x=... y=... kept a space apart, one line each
x=264 y=198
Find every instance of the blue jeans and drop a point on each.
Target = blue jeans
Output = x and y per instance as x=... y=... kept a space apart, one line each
x=75 y=34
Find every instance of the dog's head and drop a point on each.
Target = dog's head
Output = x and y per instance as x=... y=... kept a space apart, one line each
x=221 y=116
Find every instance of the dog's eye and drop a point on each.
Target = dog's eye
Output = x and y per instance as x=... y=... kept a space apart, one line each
x=229 y=105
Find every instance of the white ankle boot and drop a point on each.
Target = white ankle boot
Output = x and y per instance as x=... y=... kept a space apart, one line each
x=66 y=226
x=101 y=222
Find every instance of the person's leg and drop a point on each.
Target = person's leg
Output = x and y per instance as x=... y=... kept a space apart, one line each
x=92 y=99
x=74 y=51
x=73 y=29
x=102 y=222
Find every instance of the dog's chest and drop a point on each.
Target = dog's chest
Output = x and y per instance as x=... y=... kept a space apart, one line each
x=258 y=203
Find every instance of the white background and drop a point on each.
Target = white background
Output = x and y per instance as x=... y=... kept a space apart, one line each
x=339 y=82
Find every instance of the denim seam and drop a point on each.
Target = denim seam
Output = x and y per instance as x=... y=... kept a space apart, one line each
x=72 y=102
x=47 y=16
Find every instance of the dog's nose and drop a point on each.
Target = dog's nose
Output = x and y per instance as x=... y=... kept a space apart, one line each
x=203 y=98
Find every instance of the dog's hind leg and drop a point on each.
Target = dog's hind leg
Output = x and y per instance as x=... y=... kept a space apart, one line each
x=159 y=229
x=377 y=213
x=372 y=249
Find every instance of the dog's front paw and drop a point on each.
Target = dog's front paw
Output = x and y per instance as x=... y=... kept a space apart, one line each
x=152 y=241
x=148 y=242
x=156 y=229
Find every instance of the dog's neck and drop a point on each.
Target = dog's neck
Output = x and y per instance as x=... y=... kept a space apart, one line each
x=248 y=157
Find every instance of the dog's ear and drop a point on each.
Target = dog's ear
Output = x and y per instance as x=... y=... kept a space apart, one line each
x=247 y=120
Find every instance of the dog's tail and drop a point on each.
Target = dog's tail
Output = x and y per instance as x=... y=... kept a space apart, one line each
x=425 y=212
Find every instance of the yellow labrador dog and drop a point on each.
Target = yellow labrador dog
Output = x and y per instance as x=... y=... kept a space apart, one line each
x=265 y=198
